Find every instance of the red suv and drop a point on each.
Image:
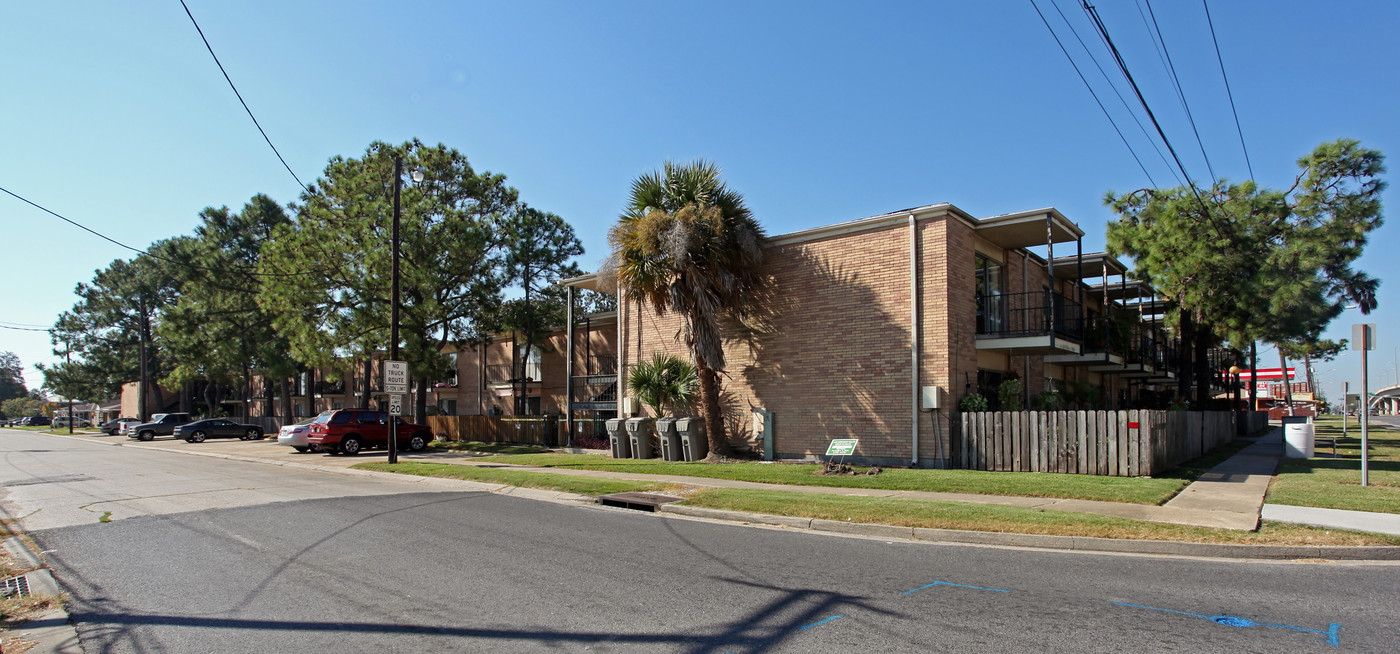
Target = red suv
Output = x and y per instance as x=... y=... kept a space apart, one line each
x=347 y=431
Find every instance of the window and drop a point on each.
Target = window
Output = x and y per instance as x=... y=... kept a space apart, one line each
x=532 y=365
x=447 y=407
x=452 y=370
x=990 y=308
x=527 y=406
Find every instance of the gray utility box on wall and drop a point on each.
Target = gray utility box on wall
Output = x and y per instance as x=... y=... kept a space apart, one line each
x=670 y=439
x=617 y=435
x=694 y=443
x=639 y=432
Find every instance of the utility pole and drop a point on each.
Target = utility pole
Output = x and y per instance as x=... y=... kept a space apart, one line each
x=68 y=359
x=144 y=384
x=394 y=309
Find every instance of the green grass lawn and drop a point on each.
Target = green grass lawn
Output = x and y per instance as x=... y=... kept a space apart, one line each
x=1025 y=484
x=1335 y=483
x=492 y=448
x=1011 y=519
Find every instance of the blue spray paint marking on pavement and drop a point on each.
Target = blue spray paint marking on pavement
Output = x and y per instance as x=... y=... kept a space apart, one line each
x=821 y=622
x=1233 y=621
x=949 y=583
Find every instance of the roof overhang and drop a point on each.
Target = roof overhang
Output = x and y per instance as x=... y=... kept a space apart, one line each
x=1095 y=265
x=591 y=282
x=1028 y=229
x=872 y=223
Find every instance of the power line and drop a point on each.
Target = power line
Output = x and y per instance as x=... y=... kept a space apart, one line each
x=1116 y=92
x=135 y=249
x=240 y=97
x=25 y=329
x=1123 y=66
x=1091 y=92
x=1227 y=90
x=1180 y=94
x=19 y=324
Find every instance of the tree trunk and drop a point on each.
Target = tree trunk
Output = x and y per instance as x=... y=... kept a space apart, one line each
x=287 y=399
x=310 y=391
x=1253 y=376
x=1204 y=374
x=1307 y=370
x=186 y=402
x=369 y=382
x=420 y=400
x=1183 y=361
x=210 y=388
x=244 y=390
x=1287 y=383
x=714 y=417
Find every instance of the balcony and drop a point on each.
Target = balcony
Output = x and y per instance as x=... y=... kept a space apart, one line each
x=324 y=388
x=595 y=385
x=1105 y=343
x=505 y=373
x=1039 y=322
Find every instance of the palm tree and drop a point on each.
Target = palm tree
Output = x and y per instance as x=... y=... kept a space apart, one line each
x=687 y=244
x=665 y=381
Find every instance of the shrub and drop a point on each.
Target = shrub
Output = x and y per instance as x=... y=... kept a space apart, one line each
x=972 y=403
x=1009 y=395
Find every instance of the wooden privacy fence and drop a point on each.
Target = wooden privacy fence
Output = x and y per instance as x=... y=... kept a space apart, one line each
x=1114 y=443
x=498 y=429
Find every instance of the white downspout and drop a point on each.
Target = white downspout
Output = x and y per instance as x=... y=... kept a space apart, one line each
x=914 y=334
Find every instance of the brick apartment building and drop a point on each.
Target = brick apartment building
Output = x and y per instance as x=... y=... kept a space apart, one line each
x=860 y=317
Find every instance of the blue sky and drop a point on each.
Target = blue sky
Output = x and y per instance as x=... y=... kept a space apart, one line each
x=819 y=112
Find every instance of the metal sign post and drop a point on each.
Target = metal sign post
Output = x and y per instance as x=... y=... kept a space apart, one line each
x=1346 y=405
x=1363 y=337
x=842 y=447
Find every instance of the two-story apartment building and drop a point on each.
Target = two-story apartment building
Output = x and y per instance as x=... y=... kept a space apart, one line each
x=861 y=318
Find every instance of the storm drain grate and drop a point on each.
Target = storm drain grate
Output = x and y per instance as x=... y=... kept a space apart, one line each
x=15 y=587
x=636 y=501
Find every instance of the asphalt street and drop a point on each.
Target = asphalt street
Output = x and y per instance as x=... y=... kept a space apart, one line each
x=211 y=555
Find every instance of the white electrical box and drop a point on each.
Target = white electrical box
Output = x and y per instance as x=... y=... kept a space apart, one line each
x=932 y=395
x=627 y=407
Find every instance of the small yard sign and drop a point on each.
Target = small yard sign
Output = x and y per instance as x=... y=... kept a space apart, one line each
x=842 y=447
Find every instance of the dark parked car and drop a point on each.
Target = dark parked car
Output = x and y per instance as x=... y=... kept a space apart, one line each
x=161 y=424
x=197 y=431
x=114 y=427
x=347 y=431
x=36 y=421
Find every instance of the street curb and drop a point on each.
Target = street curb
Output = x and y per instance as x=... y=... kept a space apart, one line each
x=1038 y=541
x=27 y=557
x=1000 y=539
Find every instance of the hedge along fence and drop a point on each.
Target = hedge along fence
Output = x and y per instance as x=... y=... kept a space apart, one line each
x=1113 y=443
x=498 y=429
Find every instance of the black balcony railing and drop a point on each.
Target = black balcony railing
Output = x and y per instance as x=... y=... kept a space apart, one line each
x=602 y=364
x=330 y=388
x=1039 y=313
x=599 y=392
